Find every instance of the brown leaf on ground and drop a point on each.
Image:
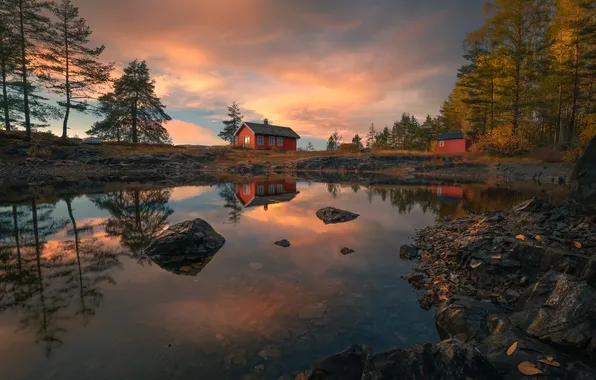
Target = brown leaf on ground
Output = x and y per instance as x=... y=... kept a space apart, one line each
x=528 y=369
x=551 y=363
x=538 y=238
x=512 y=349
x=577 y=244
x=520 y=237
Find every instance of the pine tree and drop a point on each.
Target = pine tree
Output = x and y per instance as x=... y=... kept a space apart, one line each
x=71 y=68
x=8 y=67
x=358 y=141
x=29 y=23
x=231 y=125
x=132 y=111
x=337 y=139
x=371 y=136
x=331 y=143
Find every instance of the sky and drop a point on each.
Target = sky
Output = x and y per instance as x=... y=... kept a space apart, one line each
x=312 y=65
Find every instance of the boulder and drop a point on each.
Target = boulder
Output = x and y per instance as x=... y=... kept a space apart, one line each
x=283 y=243
x=584 y=176
x=448 y=360
x=347 y=365
x=190 y=240
x=92 y=141
x=559 y=309
x=330 y=215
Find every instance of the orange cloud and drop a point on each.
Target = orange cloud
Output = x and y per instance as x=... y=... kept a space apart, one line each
x=183 y=132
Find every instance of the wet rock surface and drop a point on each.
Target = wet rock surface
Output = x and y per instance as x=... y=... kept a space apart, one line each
x=365 y=163
x=331 y=215
x=192 y=241
x=283 y=243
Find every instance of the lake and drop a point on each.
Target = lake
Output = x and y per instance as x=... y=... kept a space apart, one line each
x=78 y=300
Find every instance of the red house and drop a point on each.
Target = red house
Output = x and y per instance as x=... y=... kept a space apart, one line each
x=264 y=193
x=266 y=136
x=452 y=142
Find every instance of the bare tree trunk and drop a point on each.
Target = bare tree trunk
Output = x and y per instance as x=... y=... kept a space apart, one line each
x=574 y=94
x=559 y=115
x=67 y=83
x=24 y=72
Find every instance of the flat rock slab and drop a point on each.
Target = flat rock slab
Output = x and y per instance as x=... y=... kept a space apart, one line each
x=190 y=239
x=283 y=243
x=331 y=215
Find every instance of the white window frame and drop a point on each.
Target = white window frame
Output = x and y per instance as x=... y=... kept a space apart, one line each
x=236 y=140
x=260 y=190
x=442 y=143
x=246 y=189
x=280 y=188
x=260 y=140
x=271 y=189
x=280 y=141
x=271 y=140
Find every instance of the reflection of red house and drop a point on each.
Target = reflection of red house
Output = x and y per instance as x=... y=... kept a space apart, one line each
x=452 y=142
x=266 y=136
x=450 y=193
x=266 y=192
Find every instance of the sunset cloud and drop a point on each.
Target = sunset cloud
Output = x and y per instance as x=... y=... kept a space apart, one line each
x=312 y=65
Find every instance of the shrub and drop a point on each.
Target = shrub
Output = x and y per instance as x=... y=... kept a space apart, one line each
x=501 y=142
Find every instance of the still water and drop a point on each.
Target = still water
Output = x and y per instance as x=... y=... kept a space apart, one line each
x=79 y=301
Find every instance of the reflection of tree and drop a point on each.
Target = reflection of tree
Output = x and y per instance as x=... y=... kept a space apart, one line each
x=355 y=187
x=40 y=281
x=334 y=189
x=137 y=216
x=227 y=193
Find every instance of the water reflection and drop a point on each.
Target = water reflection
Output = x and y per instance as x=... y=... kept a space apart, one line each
x=253 y=304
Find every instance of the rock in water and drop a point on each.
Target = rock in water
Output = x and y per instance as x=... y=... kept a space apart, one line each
x=189 y=244
x=347 y=365
x=347 y=251
x=584 y=176
x=283 y=243
x=331 y=215
x=408 y=252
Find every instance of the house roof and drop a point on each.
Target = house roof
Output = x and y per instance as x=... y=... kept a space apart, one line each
x=271 y=130
x=451 y=136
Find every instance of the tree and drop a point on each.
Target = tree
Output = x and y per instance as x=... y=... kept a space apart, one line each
x=358 y=141
x=231 y=125
x=29 y=23
x=371 y=136
x=310 y=147
x=133 y=108
x=331 y=144
x=334 y=140
x=382 y=139
x=71 y=68
x=8 y=66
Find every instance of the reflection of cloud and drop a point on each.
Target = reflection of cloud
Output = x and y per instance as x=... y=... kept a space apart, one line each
x=186 y=192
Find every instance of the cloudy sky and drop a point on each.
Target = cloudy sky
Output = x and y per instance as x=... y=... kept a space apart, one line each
x=313 y=65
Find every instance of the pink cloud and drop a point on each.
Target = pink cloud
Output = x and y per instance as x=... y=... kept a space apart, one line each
x=188 y=133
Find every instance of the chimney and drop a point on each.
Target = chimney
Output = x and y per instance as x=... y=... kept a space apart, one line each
x=266 y=121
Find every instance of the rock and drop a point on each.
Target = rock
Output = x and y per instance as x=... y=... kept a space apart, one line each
x=330 y=215
x=91 y=141
x=270 y=352
x=559 y=309
x=347 y=365
x=584 y=176
x=408 y=252
x=283 y=243
x=347 y=251
x=188 y=239
x=448 y=360
x=464 y=319
x=188 y=244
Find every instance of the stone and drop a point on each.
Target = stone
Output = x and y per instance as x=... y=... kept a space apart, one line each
x=185 y=248
x=91 y=141
x=584 y=176
x=347 y=251
x=283 y=243
x=408 y=252
x=270 y=352
x=464 y=318
x=559 y=309
x=187 y=239
x=346 y=365
x=447 y=360
x=331 y=215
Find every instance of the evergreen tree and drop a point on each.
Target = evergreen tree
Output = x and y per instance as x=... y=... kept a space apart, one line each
x=331 y=144
x=334 y=140
x=8 y=66
x=29 y=23
x=71 y=68
x=358 y=141
x=382 y=139
x=371 y=136
x=136 y=112
x=231 y=125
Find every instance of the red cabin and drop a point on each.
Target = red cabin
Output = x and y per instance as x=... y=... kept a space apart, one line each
x=266 y=136
x=452 y=142
x=264 y=193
